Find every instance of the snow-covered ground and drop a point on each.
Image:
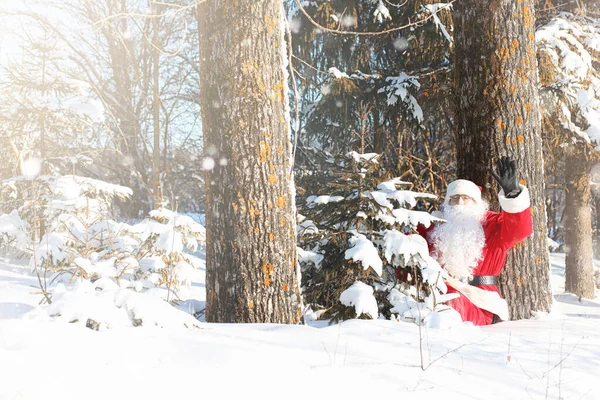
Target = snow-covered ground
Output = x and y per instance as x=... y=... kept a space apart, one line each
x=554 y=356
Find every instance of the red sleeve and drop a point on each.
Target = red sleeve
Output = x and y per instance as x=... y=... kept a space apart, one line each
x=515 y=227
x=515 y=218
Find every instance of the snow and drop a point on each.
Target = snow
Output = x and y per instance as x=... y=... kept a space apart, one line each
x=433 y=10
x=324 y=199
x=12 y=227
x=364 y=252
x=309 y=256
x=358 y=157
x=360 y=296
x=337 y=74
x=398 y=88
x=544 y=357
x=31 y=167
x=571 y=43
x=381 y=13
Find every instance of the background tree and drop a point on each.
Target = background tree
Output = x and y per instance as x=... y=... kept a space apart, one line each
x=251 y=247
x=385 y=93
x=570 y=125
x=497 y=113
x=44 y=113
x=117 y=46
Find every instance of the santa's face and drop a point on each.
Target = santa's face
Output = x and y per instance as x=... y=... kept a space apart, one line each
x=458 y=243
x=461 y=199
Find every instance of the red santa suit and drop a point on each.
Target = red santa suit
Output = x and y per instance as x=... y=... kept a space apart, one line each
x=502 y=230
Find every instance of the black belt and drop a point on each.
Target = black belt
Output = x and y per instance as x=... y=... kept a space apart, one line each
x=484 y=280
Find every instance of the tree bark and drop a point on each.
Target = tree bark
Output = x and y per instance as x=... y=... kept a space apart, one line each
x=156 y=186
x=497 y=113
x=251 y=271
x=578 y=226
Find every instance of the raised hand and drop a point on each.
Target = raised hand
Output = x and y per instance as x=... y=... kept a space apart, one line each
x=506 y=176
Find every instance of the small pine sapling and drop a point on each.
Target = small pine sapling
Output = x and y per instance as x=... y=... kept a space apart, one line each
x=364 y=230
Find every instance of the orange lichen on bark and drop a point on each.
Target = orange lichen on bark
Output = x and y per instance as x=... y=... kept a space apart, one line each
x=520 y=138
x=528 y=108
x=539 y=259
x=282 y=222
x=267 y=270
x=281 y=201
x=271 y=236
x=267 y=281
x=270 y=22
x=527 y=16
x=279 y=91
x=284 y=287
x=521 y=74
x=514 y=46
x=500 y=124
x=235 y=207
x=265 y=151
x=520 y=281
x=503 y=53
x=519 y=122
x=272 y=178
x=251 y=305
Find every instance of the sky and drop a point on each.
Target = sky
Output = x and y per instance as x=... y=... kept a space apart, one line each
x=10 y=25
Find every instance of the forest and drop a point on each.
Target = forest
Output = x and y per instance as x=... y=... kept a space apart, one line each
x=187 y=163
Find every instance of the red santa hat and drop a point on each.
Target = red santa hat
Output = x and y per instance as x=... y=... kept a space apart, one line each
x=464 y=187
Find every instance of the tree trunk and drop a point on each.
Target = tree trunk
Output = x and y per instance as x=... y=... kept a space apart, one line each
x=156 y=187
x=578 y=226
x=498 y=114
x=251 y=271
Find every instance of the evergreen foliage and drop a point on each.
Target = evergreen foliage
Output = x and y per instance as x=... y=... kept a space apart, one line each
x=360 y=225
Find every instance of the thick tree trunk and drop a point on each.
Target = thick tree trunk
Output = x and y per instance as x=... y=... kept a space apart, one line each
x=578 y=226
x=251 y=246
x=498 y=114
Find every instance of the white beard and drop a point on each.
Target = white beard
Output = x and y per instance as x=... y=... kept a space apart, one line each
x=458 y=244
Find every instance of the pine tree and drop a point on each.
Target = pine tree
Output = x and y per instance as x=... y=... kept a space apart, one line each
x=385 y=93
x=361 y=226
x=251 y=249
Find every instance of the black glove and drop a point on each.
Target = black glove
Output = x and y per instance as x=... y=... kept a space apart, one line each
x=506 y=176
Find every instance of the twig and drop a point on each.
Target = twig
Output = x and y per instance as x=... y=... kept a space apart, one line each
x=367 y=33
x=296 y=99
x=562 y=359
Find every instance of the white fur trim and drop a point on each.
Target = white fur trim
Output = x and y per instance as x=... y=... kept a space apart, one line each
x=464 y=187
x=517 y=204
x=484 y=299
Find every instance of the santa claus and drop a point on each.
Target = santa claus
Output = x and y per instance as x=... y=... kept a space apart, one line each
x=472 y=244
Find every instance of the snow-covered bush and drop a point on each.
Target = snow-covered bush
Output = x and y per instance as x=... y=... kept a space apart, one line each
x=14 y=234
x=89 y=266
x=359 y=248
